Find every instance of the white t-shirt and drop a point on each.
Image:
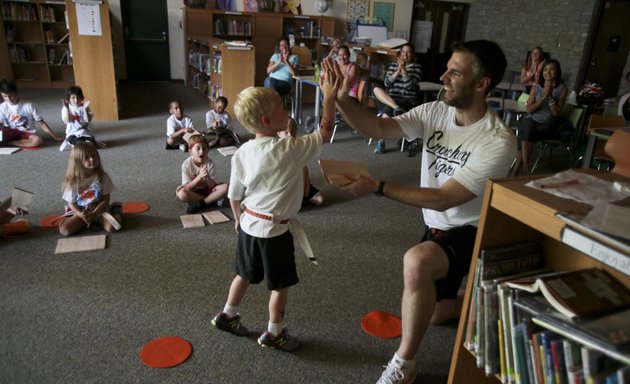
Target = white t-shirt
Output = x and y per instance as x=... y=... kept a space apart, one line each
x=212 y=116
x=90 y=192
x=267 y=177
x=470 y=154
x=76 y=119
x=190 y=170
x=19 y=116
x=173 y=125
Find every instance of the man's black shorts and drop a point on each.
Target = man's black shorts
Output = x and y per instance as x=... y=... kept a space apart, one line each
x=458 y=243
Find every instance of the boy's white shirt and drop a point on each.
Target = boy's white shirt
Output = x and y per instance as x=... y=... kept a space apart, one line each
x=267 y=177
x=19 y=116
x=173 y=125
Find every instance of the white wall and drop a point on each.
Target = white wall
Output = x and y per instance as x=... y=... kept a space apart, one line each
x=176 y=38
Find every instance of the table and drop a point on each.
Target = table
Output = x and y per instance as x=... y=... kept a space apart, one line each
x=594 y=135
x=427 y=87
x=505 y=88
x=299 y=83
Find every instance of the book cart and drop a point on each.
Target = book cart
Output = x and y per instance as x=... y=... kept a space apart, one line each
x=512 y=213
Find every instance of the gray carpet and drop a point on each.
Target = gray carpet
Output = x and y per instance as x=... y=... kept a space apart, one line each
x=83 y=317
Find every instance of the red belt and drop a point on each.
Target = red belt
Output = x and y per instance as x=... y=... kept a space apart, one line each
x=436 y=232
x=263 y=216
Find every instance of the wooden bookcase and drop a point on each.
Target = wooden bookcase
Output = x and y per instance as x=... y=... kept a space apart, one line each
x=36 y=36
x=215 y=69
x=263 y=29
x=513 y=213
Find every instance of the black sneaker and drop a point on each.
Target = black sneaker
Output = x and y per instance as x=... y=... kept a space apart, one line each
x=233 y=325
x=398 y=111
x=194 y=206
x=283 y=342
x=222 y=202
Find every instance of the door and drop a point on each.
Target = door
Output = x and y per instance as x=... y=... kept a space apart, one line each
x=145 y=28
x=448 y=20
x=611 y=43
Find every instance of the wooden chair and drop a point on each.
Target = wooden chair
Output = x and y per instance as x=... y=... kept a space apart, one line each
x=618 y=148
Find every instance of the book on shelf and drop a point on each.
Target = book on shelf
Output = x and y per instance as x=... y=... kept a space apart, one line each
x=557 y=356
x=334 y=170
x=573 y=361
x=492 y=266
x=582 y=293
x=607 y=332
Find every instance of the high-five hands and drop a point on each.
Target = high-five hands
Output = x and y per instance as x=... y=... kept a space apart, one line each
x=330 y=66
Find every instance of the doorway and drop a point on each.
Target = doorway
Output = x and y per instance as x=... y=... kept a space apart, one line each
x=446 y=21
x=609 y=40
x=145 y=30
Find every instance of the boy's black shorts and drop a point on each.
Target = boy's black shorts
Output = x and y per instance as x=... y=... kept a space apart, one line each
x=458 y=243
x=273 y=258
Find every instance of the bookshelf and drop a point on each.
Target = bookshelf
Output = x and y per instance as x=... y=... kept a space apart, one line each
x=514 y=213
x=36 y=36
x=217 y=69
x=263 y=29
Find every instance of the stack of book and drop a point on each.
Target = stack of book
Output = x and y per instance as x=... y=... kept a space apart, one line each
x=527 y=324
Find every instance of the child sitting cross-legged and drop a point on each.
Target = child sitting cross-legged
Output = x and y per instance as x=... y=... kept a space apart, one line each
x=219 y=125
x=198 y=187
x=177 y=126
x=86 y=191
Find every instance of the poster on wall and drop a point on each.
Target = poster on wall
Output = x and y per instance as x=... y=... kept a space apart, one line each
x=384 y=13
x=89 y=19
x=357 y=12
x=422 y=31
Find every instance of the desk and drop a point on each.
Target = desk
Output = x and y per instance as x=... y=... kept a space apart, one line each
x=299 y=83
x=513 y=107
x=594 y=135
x=427 y=87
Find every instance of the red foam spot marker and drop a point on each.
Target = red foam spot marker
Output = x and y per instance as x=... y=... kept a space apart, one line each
x=382 y=324
x=135 y=207
x=165 y=352
x=52 y=221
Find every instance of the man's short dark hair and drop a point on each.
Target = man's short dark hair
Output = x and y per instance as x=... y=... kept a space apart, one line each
x=490 y=58
x=8 y=86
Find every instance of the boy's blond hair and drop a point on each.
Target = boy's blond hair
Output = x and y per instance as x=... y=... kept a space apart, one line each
x=252 y=104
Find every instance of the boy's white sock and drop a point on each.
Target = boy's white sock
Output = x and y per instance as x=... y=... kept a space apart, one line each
x=274 y=328
x=405 y=362
x=230 y=310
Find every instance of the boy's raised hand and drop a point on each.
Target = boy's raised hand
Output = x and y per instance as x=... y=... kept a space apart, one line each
x=329 y=82
x=330 y=66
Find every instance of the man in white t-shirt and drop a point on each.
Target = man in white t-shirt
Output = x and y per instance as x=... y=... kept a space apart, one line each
x=464 y=144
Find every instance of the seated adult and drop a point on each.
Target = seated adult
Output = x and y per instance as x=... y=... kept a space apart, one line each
x=282 y=67
x=531 y=69
x=545 y=107
x=401 y=92
x=349 y=70
x=334 y=48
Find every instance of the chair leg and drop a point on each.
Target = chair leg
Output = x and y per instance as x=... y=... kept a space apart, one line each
x=332 y=137
x=540 y=154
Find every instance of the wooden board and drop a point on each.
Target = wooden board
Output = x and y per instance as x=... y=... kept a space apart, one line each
x=78 y=244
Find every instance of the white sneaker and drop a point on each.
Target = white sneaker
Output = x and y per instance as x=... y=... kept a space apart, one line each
x=397 y=372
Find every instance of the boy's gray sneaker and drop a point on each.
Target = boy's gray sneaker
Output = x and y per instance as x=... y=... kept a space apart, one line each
x=233 y=325
x=283 y=342
x=397 y=372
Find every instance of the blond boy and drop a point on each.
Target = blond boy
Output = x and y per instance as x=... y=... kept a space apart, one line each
x=266 y=188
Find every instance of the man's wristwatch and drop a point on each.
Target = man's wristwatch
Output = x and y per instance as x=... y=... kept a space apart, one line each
x=379 y=191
